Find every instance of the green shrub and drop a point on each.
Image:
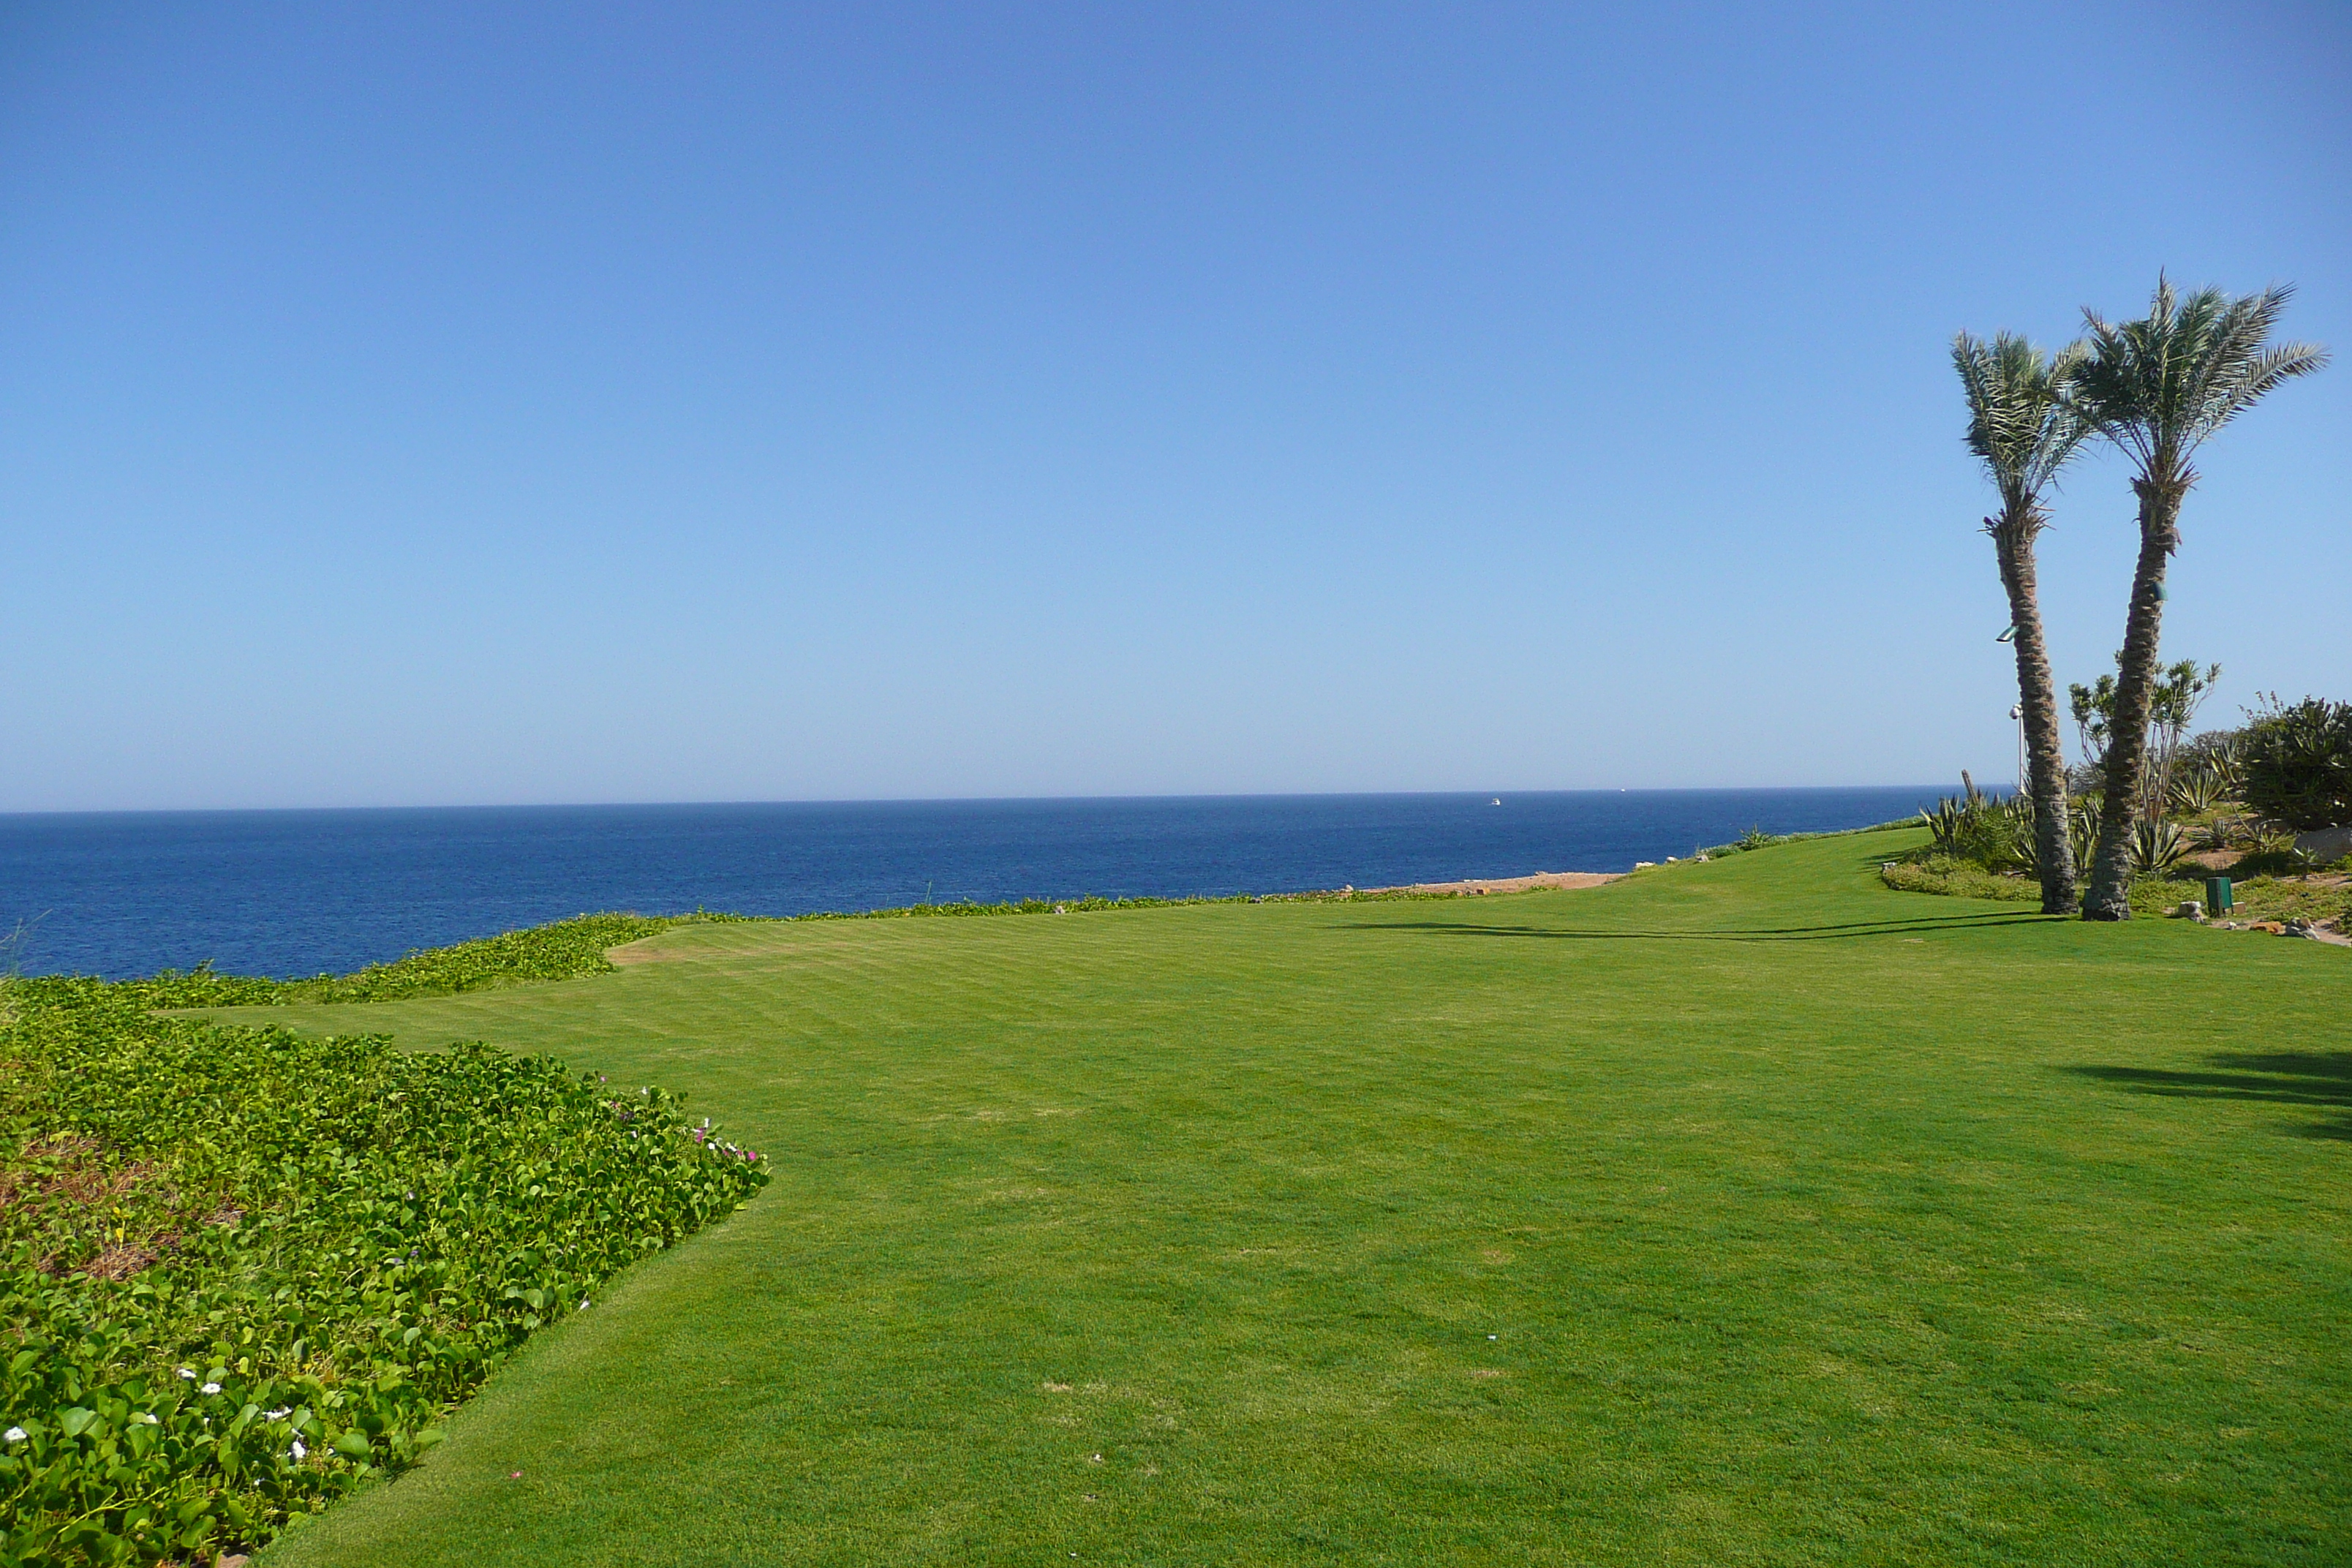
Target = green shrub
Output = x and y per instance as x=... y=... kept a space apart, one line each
x=2295 y=763
x=1956 y=877
x=2271 y=862
x=1995 y=835
x=242 y=1271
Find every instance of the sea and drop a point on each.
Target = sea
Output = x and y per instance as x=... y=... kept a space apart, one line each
x=294 y=893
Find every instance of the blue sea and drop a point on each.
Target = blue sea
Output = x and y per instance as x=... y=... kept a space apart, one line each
x=291 y=893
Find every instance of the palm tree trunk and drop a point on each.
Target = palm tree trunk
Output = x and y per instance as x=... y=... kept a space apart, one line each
x=2053 y=846
x=2127 y=759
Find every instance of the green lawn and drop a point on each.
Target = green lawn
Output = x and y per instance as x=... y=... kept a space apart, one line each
x=1746 y=1212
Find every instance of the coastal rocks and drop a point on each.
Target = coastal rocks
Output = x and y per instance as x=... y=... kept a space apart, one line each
x=2324 y=845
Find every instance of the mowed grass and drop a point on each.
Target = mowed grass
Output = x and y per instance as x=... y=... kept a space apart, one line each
x=1743 y=1213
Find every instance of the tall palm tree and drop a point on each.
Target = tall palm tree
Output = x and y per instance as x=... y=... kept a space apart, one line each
x=2157 y=388
x=2020 y=425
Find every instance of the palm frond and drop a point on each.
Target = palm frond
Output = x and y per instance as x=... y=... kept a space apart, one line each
x=2160 y=387
x=2020 y=425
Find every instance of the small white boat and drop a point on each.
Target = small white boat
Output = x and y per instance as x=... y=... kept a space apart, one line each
x=1497 y=801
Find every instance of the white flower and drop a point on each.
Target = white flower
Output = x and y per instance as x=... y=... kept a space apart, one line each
x=186 y=1373
x=209 y=1388
x=298 y=1450
x=145 y=1419
x=280 y=1413
x=14 y=1435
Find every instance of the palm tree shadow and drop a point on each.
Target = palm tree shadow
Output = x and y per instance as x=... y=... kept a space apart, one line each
x=2317 y=1078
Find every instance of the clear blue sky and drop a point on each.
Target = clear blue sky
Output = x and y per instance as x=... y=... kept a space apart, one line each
x=437 y=404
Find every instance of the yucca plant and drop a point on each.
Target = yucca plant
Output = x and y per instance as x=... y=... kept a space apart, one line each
x=2159 y=388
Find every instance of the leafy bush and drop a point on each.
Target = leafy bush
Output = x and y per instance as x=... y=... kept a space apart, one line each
x=2274 y=861
x=1952 y=877
x=2296 y=763
x=560 y=951
x=1956 y=877
x=241 y=1271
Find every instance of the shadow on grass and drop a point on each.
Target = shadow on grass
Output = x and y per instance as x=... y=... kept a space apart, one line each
x=2319 y=1079
x=1844 y=932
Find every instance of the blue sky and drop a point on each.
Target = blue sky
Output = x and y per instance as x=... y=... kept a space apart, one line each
x=421 y=404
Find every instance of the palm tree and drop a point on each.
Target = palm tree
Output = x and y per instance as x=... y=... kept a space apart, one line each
x=2020 y=425
x=2157 y=388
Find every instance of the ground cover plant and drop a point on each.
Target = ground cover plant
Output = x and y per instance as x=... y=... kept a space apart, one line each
x=1956 y=876
x=573 y=949
x=243 y=1271
x=1738 y=1212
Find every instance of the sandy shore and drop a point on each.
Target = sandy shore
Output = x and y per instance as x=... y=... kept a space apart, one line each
x=1508 y=884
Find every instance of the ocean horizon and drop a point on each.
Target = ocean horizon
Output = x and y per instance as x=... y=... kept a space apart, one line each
x=291 y=892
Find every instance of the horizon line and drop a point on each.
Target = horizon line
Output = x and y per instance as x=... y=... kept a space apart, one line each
x=957 y=800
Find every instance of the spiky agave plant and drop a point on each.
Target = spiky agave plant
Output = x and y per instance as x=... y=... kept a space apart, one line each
x=2159 y=388
x=2020 y=824
x=2022 y=429
x=2196 y=790
x=2157 y=846
x=1943 y=822
x=2083 y=826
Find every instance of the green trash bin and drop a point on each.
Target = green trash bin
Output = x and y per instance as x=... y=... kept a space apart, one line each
x=2217 y=896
